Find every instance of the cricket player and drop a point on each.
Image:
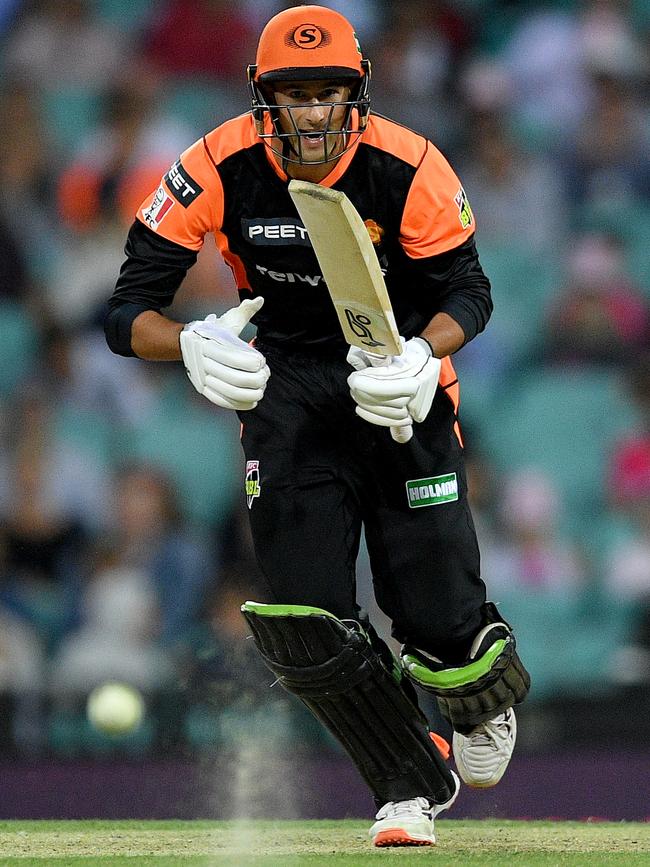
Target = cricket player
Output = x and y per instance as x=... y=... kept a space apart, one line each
x=316 y=415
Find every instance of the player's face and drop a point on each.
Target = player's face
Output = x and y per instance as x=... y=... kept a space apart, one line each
x=310 y=108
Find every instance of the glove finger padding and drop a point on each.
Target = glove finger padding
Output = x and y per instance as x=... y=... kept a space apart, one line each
x=395 y=392
x=220 y=399
x=237 y=376
x=420 y=404
x=384 y=416
x=231 y=351
x=234 y=392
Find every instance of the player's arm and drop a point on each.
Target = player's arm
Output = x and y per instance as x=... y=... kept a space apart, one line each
x=462 y=294
x=154 y=337
x=152 y=272
x=445 y=334
x=437 y=233
x=220 y=365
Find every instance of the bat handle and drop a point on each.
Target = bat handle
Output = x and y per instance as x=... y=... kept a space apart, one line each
x=402 y=434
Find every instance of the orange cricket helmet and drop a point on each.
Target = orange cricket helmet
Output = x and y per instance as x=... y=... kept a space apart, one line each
x=308 y=42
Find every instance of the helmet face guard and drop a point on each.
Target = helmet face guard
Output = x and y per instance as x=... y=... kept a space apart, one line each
x=288 y=144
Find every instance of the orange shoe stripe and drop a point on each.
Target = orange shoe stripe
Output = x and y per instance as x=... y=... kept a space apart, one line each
x=443 y=746
x=398 y=837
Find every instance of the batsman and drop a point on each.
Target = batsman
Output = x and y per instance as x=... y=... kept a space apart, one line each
x=321 y=421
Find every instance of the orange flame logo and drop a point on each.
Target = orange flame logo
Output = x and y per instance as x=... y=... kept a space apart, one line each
x=375 y=231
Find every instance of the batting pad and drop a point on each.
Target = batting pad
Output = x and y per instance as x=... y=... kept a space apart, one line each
x=332 y=667
x=493 y=679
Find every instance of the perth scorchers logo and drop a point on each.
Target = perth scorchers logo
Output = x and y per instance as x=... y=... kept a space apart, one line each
x=308 y=36
x=375 y=231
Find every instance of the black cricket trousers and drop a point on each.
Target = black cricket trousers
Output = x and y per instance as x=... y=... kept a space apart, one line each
x=316 y=473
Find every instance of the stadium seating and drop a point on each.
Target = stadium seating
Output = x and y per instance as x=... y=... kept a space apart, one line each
x=565 y=422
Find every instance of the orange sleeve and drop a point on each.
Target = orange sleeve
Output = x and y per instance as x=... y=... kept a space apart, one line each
x=189 y=201
x=437 y=216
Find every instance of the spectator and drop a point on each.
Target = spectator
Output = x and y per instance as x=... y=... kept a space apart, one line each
x=28 y=179
x=83 y=380
x=209 y=38
x=600 y=317
x=149 y=536
x=627 y=572
x=417 y=63
x=628 y=568
x=112 y=168
x=116 y=639
x=22 y=681
x=544 y=60
x=517 y=195
x=607 y=163
x=529 y=553
x=14 y=280
x=60 y=44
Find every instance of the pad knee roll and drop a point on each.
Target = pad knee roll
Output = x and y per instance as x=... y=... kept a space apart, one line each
x=333 y=668
x=493 y=679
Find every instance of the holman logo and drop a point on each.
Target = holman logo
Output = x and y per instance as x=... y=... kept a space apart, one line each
x=432 y=492
x=253 y=487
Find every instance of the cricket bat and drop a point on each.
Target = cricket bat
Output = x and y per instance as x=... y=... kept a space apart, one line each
x=352 y=274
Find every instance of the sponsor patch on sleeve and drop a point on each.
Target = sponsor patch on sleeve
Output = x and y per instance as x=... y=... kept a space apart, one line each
x=464 y=210
x=182 y=185
x=158 y=209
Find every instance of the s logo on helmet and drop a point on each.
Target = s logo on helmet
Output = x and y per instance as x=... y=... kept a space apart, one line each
x=309 y=36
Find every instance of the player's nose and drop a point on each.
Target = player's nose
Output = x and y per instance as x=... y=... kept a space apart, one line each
x=316 y=112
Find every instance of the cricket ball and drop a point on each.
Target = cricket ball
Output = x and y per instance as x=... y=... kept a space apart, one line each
x=115 y=708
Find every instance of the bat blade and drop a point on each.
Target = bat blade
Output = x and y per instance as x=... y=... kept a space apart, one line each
x=350 y=267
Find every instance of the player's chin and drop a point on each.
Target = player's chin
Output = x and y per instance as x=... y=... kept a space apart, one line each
x=318 y=150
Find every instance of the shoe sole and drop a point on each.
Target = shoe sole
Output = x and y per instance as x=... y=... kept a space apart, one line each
x=488 y=785
x=399 y=837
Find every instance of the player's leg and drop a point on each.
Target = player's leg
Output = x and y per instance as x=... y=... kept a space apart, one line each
x=305 y=520
x=477 y=698
x=332 y=666
x=425 y=561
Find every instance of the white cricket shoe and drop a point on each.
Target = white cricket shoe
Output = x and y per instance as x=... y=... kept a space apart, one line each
x=482 y=756
x=409 y=823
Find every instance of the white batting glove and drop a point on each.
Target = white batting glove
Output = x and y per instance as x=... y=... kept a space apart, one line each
x=397 y=392
x=220 y=365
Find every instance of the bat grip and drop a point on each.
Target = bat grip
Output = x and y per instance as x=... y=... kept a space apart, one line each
x=402 y=434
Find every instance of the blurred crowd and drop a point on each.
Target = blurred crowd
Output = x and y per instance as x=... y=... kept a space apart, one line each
x=124 y=549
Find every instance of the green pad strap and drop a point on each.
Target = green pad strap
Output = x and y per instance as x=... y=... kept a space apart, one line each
x=451 y=678
x=262 y=609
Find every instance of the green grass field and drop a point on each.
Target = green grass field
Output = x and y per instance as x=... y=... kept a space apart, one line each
x=275 y=843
